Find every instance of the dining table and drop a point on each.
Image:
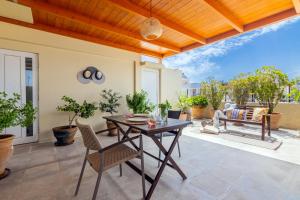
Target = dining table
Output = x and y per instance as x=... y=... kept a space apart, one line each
x=175 y=126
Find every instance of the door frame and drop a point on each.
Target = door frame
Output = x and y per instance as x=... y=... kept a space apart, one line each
x=35 y=90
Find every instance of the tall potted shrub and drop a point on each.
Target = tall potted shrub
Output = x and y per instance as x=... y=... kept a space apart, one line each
x=269 y=84
x=110 y=104
x=138 y=103
x=184 y=105
x=214 y=91
x=12 y=114
x=239 y=89
x=198 y=103
x=65 y=134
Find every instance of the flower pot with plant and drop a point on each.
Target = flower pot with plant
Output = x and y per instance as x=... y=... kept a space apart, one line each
x=138 y=103
x=163 y=110
x=198 y=103
x=268 y=85
x=65 y=134
x=110 y=104
x=184 y=105
x=12 y=114
x=239 y=89
x=214 y=91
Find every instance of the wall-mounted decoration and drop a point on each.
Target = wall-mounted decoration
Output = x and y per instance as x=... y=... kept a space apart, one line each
x=90 y=74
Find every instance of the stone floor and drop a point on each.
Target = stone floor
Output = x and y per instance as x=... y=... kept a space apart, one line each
x=214 y=171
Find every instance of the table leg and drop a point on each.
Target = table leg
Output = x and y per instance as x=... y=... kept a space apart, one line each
x=164 y=163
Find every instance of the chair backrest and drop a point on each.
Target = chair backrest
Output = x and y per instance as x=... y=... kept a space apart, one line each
x=89 y=137
x=174 y=114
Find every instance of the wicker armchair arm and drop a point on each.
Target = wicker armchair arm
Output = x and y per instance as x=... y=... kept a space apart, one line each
x=119 y=143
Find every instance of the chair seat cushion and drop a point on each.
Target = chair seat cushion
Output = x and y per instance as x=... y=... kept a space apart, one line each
x=112 y=157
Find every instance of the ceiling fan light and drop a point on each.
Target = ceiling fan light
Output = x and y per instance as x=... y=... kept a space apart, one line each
x=151 y=29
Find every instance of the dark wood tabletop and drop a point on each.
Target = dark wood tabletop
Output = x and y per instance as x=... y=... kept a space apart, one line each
x=159 y=128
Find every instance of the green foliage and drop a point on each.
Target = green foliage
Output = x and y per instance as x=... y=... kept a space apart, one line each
x=198 y=101
x=214 y=91
x=240 y=88
x=295 y=91
x=268 y=85
x=13 y=114
x=110 y=101
x=85 y=110
x=183 y=103
x=164 y=107
x=139 y=103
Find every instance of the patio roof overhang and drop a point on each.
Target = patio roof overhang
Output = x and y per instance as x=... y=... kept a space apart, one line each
x=187 y=24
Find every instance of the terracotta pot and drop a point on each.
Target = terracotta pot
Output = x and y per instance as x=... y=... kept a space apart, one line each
x=183 y=116
x=275 y=119
x=198 y=112
x=64 y=135
x=113 y=132
x=6 y=150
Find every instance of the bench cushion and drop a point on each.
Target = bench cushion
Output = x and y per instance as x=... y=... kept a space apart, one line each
x=239 y=114
x=258 y=113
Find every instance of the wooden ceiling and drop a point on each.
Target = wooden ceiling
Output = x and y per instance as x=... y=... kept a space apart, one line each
x=187 y=24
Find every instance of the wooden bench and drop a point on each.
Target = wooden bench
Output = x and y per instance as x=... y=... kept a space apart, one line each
x=264 y=123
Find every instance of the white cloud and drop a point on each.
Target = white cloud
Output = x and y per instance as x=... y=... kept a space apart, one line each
x=197 y=63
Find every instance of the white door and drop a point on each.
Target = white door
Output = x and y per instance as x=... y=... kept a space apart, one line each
x=150 y=84
x=18 y=74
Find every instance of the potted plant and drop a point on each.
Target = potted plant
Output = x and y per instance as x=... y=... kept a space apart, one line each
x=163 y=108
x=269 y=84
x=139 y=103
x=198 y=103
x=65 y=134
x=109 y=104
x=214 y=91
x=12 y=114
x=295 y=90
x=240 y=89
x=184 y=105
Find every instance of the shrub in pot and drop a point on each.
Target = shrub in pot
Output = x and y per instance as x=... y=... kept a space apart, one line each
x=239 y=89
x=109 y=104
x=269 y=84
x=214 y=91
x=138 y=103
x=12 y=114
x=198 y=103
x=184 y=105
x=65 y=134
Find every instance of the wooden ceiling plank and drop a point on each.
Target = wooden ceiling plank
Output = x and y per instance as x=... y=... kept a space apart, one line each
x=297 y=5
x=61 y=12
x=226 y=14
x=132 y=8
x=248 y=27
x=79 y=36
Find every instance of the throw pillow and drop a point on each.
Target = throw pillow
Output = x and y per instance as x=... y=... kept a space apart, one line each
x=258 y=113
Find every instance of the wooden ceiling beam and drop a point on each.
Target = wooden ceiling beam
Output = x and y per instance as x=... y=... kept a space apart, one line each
x=79 y=36
x=67 y=14
x=226 y=14
x=248 y=27
x=132 y=8
x=296 y=5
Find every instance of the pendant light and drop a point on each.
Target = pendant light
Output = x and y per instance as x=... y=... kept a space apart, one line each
x=151 y=28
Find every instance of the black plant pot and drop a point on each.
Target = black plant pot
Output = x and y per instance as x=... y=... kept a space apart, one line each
x=64 y=135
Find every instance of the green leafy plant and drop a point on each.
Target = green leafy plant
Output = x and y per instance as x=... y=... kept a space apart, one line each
x=200 y=101
x=110 y=101
x=85 y=110
x=138 y=102
x=183 y=103
x=214 y=91
x=240 y=88
x=268 y=86
x=164 y=107
x=295 y=89
x=14 y=114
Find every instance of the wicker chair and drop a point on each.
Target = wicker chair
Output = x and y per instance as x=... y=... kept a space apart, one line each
x=105 y=158
x=173 y=114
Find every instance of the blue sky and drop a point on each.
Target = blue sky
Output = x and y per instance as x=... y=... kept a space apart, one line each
x=277 y=45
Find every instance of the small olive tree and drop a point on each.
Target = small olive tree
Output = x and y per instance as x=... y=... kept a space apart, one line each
x=240 y=88
x=268 y=85
x=214 y=91
x=110 y=101
x=14 y=114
